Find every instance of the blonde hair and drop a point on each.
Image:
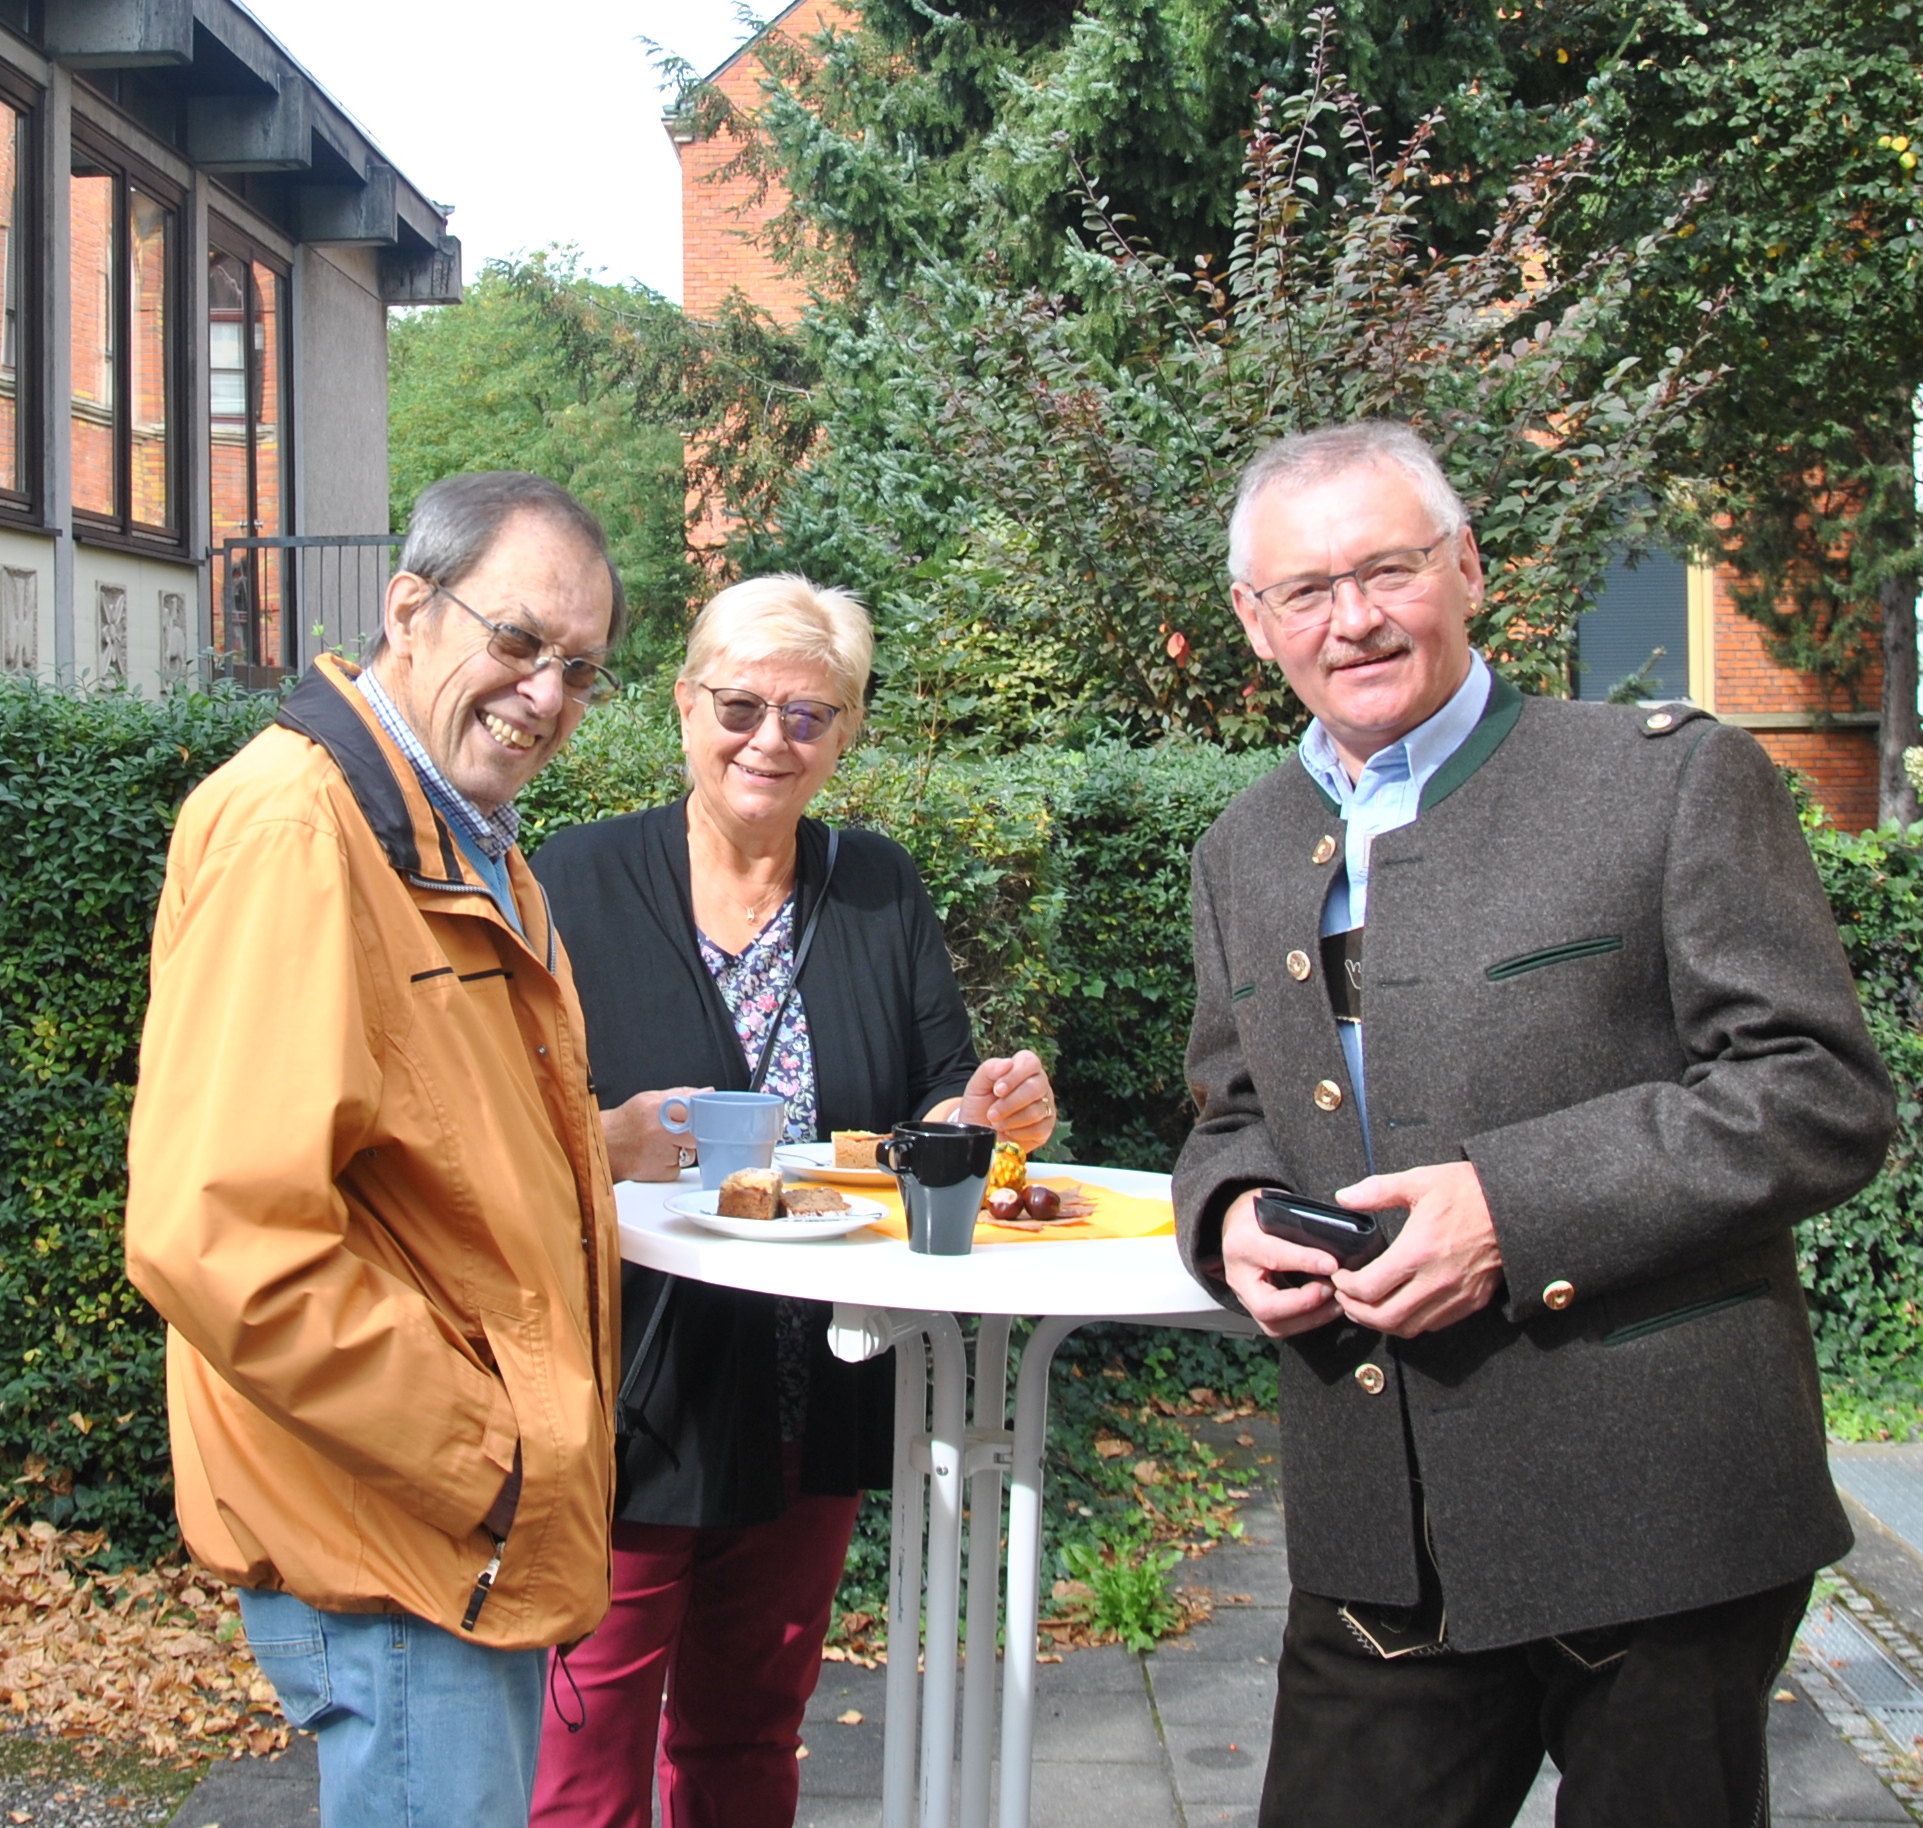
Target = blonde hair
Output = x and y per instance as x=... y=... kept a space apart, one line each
x=781 y=618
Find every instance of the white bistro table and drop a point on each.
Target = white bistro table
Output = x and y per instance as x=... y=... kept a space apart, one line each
x=885 y=1295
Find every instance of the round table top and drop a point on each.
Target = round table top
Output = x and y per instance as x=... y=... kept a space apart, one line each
x=1115 y=1278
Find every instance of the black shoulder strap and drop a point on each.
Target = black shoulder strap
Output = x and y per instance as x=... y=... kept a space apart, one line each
x=801 y=958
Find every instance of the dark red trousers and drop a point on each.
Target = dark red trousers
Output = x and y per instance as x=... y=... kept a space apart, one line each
x=730 y=1623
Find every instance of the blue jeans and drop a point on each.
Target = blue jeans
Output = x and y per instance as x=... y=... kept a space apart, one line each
x=418 y=1728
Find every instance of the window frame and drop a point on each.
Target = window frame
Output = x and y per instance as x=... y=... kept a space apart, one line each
x=26 y=505
x=131 y=172
x=226 y=237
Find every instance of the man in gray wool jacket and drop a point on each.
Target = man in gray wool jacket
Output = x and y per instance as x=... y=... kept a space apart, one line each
x=1554 y=988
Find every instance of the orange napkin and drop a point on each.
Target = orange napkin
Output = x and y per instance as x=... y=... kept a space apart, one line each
x=1116 y=1215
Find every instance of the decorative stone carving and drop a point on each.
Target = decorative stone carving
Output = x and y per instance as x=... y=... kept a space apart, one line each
x=110 y=620
x=19 y=620
x=175 y=651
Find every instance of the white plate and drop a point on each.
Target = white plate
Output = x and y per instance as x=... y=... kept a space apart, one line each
x=817 y=1162
x=699 y=1205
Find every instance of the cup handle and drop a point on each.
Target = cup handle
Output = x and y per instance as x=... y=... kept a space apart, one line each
x=887 y=1151
x=675 y=1126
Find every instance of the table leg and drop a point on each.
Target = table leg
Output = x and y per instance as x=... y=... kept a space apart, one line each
x=904 y=1585
x=1025 y=1563
x=947 y=1452
x=984 y=1568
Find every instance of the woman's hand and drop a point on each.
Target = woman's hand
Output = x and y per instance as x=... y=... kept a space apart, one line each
x=1013 y=1097
x=638 y=1148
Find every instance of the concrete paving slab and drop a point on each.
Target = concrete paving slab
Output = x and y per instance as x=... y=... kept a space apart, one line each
x=1102 y=1728
x=281 y=1792
x=1212 y=1691
x=1886 y=1479
x=1814 y=1775
x=1213 y=1764
x=1099 y=1796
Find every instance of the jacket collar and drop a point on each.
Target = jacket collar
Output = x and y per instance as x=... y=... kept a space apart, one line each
x=326 y=710
x=1498 y=718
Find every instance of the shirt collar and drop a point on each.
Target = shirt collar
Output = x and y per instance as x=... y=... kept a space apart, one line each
x=495 y=832
x=1417 y=755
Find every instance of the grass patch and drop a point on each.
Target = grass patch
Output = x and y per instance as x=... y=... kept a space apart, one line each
x=1873 y=1407
x=150 y=1789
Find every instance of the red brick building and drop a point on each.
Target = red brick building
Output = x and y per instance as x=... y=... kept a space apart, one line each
x=1711 y=652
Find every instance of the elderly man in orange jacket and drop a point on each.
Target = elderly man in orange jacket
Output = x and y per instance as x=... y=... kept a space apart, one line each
x=369 y=1189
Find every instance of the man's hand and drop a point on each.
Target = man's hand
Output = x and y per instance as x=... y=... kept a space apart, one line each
x=1444 y=1265
x=638 y=1148
x=1249 y=1255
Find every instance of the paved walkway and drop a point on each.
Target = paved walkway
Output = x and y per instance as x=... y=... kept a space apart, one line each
x=1177 y=1738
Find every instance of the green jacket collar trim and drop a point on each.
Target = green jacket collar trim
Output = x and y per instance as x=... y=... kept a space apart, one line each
x=1497 y=720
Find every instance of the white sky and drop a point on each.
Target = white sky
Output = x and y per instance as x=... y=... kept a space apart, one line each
x=539 y=123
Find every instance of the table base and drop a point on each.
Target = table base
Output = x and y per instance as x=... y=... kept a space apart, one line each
x=937 y=1448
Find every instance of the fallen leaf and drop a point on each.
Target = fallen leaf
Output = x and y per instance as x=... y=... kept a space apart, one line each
x=1245 y=1440
x=801 y=1751
x=1109 y=1447
x=851 y=1718
x=1784 y=1694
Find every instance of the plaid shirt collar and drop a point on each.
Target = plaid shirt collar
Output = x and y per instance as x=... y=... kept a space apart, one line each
x=495 y=833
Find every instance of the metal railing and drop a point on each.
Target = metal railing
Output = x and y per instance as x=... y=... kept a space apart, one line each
x=281 y=599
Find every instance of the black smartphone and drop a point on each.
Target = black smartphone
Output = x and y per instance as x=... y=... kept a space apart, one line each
x=1351 y=1238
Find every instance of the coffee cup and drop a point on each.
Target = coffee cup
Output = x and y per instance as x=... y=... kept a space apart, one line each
x=732 y=1130
x=942 y=1169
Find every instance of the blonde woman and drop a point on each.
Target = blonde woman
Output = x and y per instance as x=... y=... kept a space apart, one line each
x=746 y=1444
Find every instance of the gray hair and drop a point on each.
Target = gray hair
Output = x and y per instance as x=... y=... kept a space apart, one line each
x=457 y=520
x=1303 y=459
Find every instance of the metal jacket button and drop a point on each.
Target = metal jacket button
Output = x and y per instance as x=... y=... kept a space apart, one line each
x=1298 y=966
x=1328 y=1095
x=1324 y=849
x=1371 y=1379
x=1558 y=1295
x=1661 y=720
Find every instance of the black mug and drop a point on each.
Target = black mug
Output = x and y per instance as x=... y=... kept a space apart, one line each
x=943 y=1171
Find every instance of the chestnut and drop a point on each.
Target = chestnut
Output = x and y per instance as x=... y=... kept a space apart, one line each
x=1043 y=1202
x=1005 y=1203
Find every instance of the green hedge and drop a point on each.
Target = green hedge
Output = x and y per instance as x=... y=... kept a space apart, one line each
x=1063 y=881
x=88 y=790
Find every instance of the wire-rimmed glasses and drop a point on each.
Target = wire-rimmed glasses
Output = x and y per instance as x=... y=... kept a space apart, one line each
x=585 y=681
x=1386 y=580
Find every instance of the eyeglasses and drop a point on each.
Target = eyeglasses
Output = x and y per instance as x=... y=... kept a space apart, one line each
x=805 y=720
x=1385 y=580
x=582 y=679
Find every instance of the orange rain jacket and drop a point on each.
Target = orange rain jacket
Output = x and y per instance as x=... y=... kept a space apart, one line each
x=370 y=1195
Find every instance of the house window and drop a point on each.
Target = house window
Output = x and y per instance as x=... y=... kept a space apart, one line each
x=1637 y=634
x=16 y=239
x=247 y=310
x=124 y=268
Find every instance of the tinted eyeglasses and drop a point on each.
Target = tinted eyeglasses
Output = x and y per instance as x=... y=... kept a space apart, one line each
x=805 y=720
x=583 y=680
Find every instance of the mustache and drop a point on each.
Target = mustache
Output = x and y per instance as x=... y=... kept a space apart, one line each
x=1381 y=644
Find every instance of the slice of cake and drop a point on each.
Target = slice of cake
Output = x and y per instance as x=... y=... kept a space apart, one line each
x=805 y=1202
x=856 y=1148
x=751 y=1193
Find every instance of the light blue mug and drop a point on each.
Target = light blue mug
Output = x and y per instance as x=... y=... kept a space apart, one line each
x=733 y=1130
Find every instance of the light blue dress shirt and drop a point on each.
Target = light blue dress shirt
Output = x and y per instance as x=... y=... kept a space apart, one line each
x=1386 y=796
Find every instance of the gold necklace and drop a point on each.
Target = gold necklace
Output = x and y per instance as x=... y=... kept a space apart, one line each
x=778 y=892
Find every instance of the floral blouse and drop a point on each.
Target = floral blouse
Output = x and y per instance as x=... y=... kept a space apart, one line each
x=752 y=983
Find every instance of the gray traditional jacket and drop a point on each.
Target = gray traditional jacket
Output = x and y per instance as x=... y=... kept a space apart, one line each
x=1600 y=967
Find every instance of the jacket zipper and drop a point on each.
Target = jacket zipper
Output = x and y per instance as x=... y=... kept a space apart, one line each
x=483 y=1586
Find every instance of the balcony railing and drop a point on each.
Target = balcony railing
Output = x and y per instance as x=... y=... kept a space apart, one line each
x=282 y=599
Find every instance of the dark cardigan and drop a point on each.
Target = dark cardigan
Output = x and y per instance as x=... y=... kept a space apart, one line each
x=891 y=1037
